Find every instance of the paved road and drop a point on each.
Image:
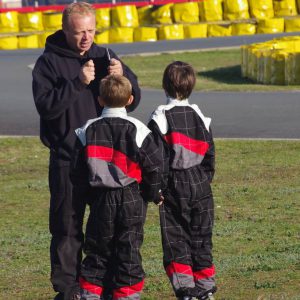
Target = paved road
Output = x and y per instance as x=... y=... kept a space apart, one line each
x=242 y=115
x=235 y=115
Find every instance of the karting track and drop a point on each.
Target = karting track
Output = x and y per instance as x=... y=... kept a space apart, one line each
x=234 y=115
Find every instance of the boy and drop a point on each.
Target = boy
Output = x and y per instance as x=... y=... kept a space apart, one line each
x=119 y=153
x=186 y=215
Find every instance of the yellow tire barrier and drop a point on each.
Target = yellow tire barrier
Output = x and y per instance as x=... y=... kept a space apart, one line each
x=275 y=62
x=209 y=18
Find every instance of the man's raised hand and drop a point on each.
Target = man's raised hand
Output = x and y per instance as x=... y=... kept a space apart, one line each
x=87 y=72
x=115 y=67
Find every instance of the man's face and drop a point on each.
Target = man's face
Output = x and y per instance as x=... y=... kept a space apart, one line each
x=80 y=32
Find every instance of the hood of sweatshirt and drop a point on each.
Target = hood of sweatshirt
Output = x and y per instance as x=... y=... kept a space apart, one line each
x=57 y=43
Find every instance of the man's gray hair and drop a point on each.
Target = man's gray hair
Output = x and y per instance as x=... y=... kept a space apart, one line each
x=80 y=8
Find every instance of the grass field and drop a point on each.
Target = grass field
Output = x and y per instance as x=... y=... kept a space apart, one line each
x=256 y=235
x=217 y=70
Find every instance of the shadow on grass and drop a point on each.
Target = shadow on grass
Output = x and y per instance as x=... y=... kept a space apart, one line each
x=228 y=75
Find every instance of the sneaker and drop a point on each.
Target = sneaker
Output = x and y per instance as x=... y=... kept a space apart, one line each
x=207 y=295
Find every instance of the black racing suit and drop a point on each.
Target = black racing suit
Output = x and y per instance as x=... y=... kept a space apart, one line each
x=120 y=162
x=187 y=214
x=64 y=103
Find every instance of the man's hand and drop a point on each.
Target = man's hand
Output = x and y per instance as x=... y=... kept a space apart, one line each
x=115 y=67
x=87 y=72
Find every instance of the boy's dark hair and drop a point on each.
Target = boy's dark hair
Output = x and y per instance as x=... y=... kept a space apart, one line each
x=179 y=80
x=115 y=90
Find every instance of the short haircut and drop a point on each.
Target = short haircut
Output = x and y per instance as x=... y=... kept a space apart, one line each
x=179 y=80
x=115 y=90
x=80 y=8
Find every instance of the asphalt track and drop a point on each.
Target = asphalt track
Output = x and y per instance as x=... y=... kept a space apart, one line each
x=234 y=115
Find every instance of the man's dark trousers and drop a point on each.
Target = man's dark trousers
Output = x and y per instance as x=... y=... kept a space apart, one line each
x=65 y=224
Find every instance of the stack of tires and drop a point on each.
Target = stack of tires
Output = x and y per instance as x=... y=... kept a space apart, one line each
x=134 y=23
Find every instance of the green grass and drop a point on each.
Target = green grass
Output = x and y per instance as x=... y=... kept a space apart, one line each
x=256 y=234
x=217 y=70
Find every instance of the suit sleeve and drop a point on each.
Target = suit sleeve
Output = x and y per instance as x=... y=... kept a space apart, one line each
x=159 y=140
x=53 y=94
x=208 y=162
x=151 y=156
x=79 y=175
x=136 y=92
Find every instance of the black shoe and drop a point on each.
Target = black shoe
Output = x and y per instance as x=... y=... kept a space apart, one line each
x=208 y=294
x=59 y=296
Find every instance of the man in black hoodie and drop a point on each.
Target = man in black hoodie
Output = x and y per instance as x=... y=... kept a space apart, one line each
x=65 y=90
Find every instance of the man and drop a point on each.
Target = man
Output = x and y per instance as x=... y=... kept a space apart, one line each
x=65 y=90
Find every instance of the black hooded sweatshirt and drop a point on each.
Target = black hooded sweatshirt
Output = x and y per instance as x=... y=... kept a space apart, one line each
x=63 y=102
